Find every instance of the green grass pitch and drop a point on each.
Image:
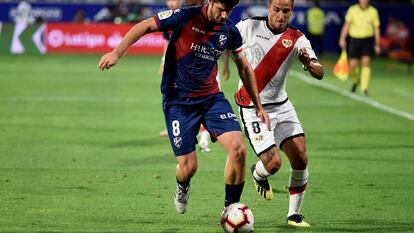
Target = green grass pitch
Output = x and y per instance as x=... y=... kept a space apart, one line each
x=80 y=152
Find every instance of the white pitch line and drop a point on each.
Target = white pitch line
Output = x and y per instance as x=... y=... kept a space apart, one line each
x=79 y=99
x=353 y=96
x=404 y=93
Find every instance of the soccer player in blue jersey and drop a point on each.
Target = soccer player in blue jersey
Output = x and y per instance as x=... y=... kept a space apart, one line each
x=204 y=136
x=191 y=95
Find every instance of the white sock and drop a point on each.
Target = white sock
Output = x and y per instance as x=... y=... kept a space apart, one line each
x=204 y=137
x=297 y=185
x=295 y=203
x=260 y=173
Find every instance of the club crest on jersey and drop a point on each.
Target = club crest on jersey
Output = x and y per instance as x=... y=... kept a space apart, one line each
x=222 y=40
x=287 y=43
x=165 y=14
x=177 y=142
x=255 y=53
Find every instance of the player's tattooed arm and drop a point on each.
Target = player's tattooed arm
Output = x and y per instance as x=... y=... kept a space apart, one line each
x=248 y=79
x=135 y=33
x=310 y=64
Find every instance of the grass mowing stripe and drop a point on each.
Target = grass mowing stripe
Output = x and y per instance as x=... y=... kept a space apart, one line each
x=79 y=99
x=353 y=96
x=404 y=93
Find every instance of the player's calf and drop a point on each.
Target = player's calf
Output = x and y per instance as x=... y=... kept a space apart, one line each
x=235 y=166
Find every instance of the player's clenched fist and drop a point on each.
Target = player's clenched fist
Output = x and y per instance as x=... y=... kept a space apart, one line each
x=304 y=57
x=108 y=60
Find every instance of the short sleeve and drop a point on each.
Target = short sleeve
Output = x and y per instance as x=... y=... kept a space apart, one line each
x=236 y=41
x=242 y=27
x=348 y=16
x=303 y=42
x=376 y=22
x=171 y=19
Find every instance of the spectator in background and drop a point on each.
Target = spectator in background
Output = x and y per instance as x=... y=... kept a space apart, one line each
x=362 y=25
x=398 y=39
x=106 y=14
x=123 y=11
x=315 y=19
x=134 y=14
x=80 y=17
x=195 y=2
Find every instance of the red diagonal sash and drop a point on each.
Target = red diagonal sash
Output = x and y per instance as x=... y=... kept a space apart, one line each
x=270 y=64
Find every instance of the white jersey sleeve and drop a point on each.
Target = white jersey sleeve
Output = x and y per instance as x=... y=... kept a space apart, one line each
x=303 y=42
x=243 y=27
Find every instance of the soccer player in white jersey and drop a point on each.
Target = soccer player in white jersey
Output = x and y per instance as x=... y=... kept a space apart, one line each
x=271 y=46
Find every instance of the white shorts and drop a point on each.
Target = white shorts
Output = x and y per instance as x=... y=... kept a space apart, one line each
x=284 y=125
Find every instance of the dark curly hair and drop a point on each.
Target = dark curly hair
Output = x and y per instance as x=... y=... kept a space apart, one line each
x=228 y=3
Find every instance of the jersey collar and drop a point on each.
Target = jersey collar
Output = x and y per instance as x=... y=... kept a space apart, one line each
x=204 y=11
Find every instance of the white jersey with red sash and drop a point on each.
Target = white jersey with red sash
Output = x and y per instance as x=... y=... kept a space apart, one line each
x=271 y=56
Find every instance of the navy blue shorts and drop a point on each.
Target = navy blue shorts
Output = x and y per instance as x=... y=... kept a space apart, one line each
x=184 y=115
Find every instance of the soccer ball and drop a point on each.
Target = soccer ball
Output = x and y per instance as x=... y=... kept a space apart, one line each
x=237 y=217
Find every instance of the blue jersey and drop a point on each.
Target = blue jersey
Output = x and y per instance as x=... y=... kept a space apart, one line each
x=166 y=35
x=196 y=44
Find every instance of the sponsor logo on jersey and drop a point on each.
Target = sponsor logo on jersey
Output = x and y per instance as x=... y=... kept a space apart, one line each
x=177 y=142
x=228 y=115
x=165 y=14
x=198 y=30
x=222 y=40
x=262 y=37
x=287 y=43
x=177 y=10
x=205 y=52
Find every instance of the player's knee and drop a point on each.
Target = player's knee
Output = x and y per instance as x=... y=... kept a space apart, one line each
x=273 y=165
x=238 y=151
x=189 y=168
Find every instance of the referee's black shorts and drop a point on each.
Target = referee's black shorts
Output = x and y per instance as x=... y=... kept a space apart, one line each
x=361 y=47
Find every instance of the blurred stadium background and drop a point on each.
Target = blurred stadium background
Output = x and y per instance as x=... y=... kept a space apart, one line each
x=80 y=151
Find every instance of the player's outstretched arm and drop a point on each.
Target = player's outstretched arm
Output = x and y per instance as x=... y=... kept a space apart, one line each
x=249 y=81
x=311 y=64
x=135 y=33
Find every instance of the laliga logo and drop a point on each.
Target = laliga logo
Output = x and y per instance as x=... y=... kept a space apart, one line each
x=55 y=38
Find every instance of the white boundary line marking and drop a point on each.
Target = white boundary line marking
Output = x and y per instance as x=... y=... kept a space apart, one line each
x=348 y=94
